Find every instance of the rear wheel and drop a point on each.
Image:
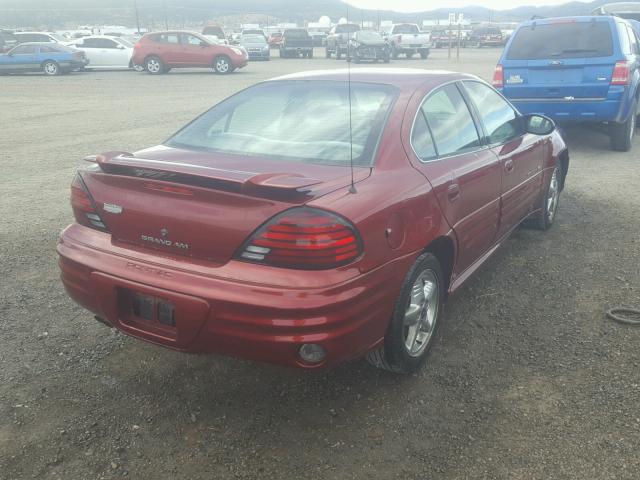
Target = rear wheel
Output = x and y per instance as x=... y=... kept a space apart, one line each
x=415 y=318
x=621 y=134
x=394 y=52
x=424 y=54
x=154 y=66
x=327 y=52
x=550 y=201
x=51 y=68
x=222 y=65
x=338 y=53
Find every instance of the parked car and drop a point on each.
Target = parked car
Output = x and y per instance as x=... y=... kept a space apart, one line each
x=439 y=37
x=215 y=33
x=161 y=51
x=105 y=52
x=368 y=46
x=406 y=38
x=253 y=31
x=626 y=10
x=296 y=42
x=40 y=37
x=275 y=40
x=7 y=41
x=575 y=69
x=234 y=39
x=338 y=39
x=256 y=46
x=52 y=59
x=310 y=220
x=318 y=37
x=485 y=37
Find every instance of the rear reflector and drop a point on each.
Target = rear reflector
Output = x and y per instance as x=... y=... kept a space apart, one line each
x=498 y=77
x=621 y=74
x=83 y=207
x=303 y=238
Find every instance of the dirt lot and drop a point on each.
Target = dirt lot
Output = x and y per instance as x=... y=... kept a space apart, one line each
x=528 y=379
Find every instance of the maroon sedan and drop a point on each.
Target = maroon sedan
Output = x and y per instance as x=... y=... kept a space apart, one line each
x=248 y=233
x=159 y=52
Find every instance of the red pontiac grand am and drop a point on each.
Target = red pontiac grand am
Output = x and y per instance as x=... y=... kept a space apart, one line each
x=248 y=234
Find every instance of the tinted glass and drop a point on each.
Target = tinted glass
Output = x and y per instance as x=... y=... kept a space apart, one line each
x=298 y=121
x=253 y=39
x=24 y=50
x=91 y=43
x=498 y=117
x=450 y=121
x=169 y=38
x=367 y=36
x=190 y=39
x=296 y=33
x=347 y=28
x=421 y=139
x=635 y=49
x=47 y=49
x=406 y=29
x=562 y=40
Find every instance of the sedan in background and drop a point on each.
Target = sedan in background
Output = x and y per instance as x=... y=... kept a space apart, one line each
x=368 y=46
x=105 y=52
x=40 y=37
x=161 y=51
x=256 y=46
x=49 y=58
x=311 y=219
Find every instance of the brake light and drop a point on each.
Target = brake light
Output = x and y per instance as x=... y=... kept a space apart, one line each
x=498 y=77
x=84 y=209
x=621 y=74
x=303 y=238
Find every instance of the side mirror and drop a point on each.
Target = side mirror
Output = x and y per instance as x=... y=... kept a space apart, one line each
x=120 y=47
x=538 y=124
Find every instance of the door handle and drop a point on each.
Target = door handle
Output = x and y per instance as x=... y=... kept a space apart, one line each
x=509 y=166
x=453 y=192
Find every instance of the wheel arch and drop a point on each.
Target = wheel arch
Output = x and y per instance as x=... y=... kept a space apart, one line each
x=563 y=156
x=443 y=248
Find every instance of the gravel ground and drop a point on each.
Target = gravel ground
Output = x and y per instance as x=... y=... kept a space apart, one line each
x=528 y=379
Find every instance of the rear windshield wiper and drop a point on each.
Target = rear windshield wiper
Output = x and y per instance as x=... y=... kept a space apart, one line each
x=573 y=50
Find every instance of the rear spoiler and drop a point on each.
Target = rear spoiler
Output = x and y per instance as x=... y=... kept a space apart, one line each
x=124 y=163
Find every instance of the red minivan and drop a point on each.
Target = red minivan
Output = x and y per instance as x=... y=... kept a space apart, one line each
x=310 y=219
x=161 y=51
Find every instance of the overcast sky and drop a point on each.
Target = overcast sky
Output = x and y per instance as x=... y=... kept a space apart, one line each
x=424 y=5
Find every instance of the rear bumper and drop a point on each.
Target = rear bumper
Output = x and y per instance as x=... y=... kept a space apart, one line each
x=587 y=110
x=222 y=310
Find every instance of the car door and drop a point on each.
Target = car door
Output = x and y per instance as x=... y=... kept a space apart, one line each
x=170 y=50
x=23 y=58
x=92 y=48
x=193 y=52
x=110 y=52
x=464 y=174
x=521 y=154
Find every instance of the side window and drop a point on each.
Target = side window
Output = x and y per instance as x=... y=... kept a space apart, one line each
x=190 y=39
x=24 y=50
x=498 y=117
x=91 y=43
x=47 y=49
x=634 y=41
x=171 y=38
x=421 y=139
x=106 y=43
x=625 y=45
x=451 y=122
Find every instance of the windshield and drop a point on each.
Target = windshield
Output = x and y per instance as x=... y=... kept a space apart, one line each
x=126 y=43
x=406 y=29
x=299 y=121
x=562 y=40
x=253 y=39
x=368 y=37
x=57 y=38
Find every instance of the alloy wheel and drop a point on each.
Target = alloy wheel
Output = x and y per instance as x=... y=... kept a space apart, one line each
x=153 y=65
x=222 y=65
x=552 y=196
x=51 y=68
x=422 y=312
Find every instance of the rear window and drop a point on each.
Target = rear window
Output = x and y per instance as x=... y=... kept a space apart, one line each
x=406 y=28
x=562 y=40
x=296 y=33
x=297 y=121
x=347 y=28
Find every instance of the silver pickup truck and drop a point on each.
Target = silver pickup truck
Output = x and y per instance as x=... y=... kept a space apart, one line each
x=406 y=38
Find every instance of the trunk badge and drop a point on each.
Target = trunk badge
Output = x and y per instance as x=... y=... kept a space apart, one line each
x=112 y=208
x=164 y=232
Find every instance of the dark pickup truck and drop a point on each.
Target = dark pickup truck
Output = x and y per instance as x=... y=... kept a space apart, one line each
x=338 y=39
x=296 y=42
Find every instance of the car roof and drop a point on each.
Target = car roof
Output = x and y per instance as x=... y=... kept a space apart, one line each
x=48 y=44
x=579 y=18
x=31 y=33
x=399 y=77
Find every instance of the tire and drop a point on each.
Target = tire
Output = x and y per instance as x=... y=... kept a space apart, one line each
x=386 y=59
x=394 y=52
x=424 y=54
x=327 y=52
x=550 y=201
x=222 y=65
x=338 y=53
x=154 y=65
x=51 y=68
x=310 y=55
x=420 y=304
x=621 y=134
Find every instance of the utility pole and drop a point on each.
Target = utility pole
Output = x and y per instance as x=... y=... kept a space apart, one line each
x=135 y=7
x=166 y=20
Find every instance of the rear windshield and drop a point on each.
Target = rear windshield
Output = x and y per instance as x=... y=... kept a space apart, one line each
x=562 y=40
x=369 y=37
x=296 y=33
x=347 y=28
x=406 y=28
x=298 y=121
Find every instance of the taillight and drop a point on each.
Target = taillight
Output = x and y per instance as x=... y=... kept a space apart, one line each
x=498 y=77
x=303 y=238
x=84 y=209
x=621 y=74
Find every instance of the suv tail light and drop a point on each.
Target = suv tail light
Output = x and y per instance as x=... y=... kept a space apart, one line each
x=498 y=77
x=303 y=238
x=621 y=74
x=83 y=206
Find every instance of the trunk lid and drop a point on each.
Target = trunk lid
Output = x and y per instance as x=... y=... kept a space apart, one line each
x=197 y=204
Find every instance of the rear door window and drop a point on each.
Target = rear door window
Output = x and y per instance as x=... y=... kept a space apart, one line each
x=421 y=139
x=451 y=123
x=562 y=40
x=24 y=50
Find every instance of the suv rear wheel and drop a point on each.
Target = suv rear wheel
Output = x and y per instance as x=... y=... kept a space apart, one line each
x=622 y=133
x=154 y=65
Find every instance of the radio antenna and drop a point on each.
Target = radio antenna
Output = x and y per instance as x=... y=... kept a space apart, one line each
x=352 y=188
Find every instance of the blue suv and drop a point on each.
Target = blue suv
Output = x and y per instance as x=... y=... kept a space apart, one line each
x=575 y=69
